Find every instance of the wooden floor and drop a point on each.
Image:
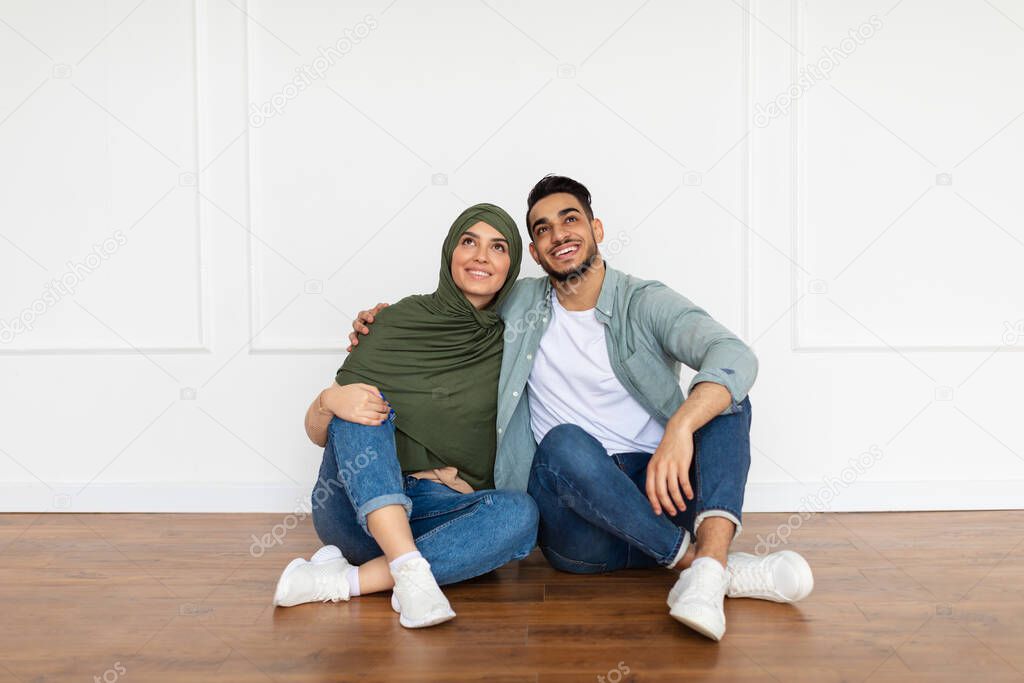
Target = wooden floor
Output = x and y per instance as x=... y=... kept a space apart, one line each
x=899 y=597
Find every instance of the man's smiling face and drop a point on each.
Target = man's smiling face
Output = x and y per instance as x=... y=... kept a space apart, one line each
x=564 y=239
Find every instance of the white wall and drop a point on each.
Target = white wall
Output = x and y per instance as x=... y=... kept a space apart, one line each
x=867 y=241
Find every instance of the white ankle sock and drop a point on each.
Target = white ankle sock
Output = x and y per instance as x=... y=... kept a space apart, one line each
x=353 y=581
x=402 y=559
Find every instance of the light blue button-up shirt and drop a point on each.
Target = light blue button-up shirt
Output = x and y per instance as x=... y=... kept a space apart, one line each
x=649 y=329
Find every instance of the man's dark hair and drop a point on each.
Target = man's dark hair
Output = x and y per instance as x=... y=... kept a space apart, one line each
x=553 y=184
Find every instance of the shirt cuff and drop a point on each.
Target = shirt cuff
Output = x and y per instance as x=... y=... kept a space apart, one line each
x=722 y=377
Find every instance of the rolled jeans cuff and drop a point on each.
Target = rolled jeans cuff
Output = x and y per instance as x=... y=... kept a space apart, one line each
x=377 y=503
x=718 y=513
x=684 y=545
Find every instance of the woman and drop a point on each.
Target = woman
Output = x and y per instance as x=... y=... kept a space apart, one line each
x=405 y=496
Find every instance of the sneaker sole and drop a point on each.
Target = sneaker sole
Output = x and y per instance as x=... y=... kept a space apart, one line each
x=698 y=627
x=433 y=620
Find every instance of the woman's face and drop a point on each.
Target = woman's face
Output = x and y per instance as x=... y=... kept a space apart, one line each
x=480 y=263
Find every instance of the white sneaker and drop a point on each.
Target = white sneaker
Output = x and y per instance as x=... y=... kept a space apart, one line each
x=417 y=598
x=784 y=576
x=322 y=579
x=699 y=598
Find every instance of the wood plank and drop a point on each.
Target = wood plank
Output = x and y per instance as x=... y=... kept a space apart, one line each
x=165 y=597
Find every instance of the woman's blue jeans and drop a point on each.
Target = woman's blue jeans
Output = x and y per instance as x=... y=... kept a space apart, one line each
x=461 y=535
x=595 y=515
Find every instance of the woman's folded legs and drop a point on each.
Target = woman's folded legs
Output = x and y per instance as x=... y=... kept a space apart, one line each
x=461 y=535
x=362 y=468
x=392 y=527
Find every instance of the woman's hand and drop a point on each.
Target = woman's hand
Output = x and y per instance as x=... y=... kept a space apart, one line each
x=358 y=403
x=361 y=325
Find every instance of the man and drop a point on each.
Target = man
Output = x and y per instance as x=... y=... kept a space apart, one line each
x=593 y=423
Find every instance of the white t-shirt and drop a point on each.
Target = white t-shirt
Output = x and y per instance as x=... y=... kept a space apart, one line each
x=572 y=382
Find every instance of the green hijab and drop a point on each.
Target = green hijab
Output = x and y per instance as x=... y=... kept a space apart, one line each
x=436 y=358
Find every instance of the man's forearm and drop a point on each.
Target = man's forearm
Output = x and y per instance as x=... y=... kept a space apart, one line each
x=706 y=401
x=668 y=479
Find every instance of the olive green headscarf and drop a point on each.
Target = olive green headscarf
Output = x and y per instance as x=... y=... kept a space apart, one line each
x=437 y=359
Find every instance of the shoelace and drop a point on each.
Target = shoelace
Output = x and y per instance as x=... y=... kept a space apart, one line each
x=707 y=581
x=413 y=579
x=324 y=587
x=704 y=583
x=751 y=577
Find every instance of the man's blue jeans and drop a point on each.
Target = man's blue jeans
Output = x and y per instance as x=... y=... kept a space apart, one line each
x=595 y=515
x=461 y=535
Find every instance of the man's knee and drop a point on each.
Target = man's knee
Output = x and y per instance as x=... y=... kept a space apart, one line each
x=564 y=445
x=568 y=456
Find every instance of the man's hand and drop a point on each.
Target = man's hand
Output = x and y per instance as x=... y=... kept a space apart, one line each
x=361 y=323
x=358 y=403
x=668 y=472
x=669 y=467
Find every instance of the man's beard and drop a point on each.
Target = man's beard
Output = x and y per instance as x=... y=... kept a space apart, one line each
x=574 y=273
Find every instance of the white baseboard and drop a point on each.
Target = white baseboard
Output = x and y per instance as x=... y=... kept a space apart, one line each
x=861 y=496
x=884 y=496
x=149 y=497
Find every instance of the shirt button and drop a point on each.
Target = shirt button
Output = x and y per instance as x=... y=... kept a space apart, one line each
x=515 y=393
x=545 y=320
x=529 y=356
x=499 y=430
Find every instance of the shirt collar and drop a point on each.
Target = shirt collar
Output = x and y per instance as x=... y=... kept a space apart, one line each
x=605 y=300
x=609 y=288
